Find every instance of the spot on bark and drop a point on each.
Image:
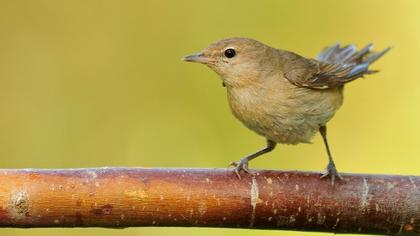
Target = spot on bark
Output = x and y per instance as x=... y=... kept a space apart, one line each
x=104 y=210
x=254 y=196
x=19 y=205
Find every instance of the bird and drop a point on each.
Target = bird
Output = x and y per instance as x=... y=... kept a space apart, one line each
x=285 y=97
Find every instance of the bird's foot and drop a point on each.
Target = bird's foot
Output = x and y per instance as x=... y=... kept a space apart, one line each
x=331 y=171
x=242 y=164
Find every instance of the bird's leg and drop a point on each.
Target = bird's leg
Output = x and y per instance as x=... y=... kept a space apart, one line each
x=242 y=164
x=330 y=170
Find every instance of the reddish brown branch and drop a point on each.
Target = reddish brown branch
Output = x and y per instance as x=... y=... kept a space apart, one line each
x=121 y=197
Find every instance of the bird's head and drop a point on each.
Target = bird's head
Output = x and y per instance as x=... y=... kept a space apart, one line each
x=238 y=61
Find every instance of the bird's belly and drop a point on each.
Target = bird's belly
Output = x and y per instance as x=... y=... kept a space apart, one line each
x=280 y=129
x=285 y=120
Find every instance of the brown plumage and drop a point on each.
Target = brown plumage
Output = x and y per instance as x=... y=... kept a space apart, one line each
x=280 y=95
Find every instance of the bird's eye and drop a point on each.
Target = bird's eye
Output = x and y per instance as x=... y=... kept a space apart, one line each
x=229 y=53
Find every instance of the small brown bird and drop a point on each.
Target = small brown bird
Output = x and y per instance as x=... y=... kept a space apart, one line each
x=282 y=96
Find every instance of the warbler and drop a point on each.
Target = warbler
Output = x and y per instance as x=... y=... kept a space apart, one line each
x=282 y=96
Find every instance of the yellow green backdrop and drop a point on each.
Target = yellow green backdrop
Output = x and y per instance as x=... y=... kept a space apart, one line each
x=101 y=83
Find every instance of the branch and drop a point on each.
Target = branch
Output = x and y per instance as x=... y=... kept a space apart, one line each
x=126 y=197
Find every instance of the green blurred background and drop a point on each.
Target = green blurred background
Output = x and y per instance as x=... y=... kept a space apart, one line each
x=101 y=83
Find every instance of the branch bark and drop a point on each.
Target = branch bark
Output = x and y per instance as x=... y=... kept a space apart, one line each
x=126 y=197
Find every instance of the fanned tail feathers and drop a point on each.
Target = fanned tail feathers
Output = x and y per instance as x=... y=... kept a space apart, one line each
x=349 y=62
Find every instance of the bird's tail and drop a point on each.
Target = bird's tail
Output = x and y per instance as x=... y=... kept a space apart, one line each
x=349 y=56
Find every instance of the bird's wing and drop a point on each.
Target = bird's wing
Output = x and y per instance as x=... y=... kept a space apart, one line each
x=333 y=67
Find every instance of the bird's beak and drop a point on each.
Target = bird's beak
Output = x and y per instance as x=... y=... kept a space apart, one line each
x=198 y=57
